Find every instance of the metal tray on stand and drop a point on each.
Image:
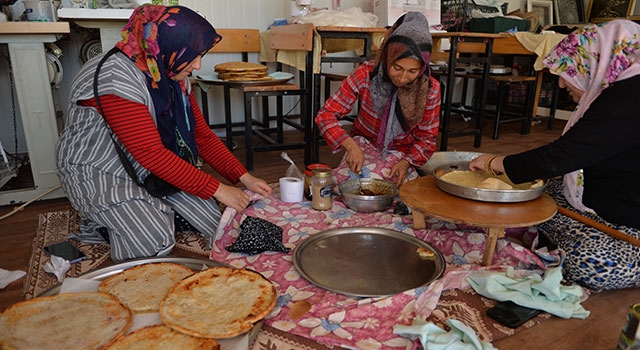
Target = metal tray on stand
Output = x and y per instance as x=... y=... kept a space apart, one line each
x=483 y=194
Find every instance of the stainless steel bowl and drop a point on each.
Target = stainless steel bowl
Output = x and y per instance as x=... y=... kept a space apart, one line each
x=385 y=191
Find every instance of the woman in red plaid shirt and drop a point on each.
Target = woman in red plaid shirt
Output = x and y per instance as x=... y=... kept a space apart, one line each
x=399 y=108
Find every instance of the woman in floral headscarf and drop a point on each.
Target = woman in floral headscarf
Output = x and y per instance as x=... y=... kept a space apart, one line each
x=598 y=154
x=128 y=161
x=398 y=111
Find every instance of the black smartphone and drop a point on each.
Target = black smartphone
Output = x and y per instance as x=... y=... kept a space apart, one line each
x=66 y=251
x=511 y=314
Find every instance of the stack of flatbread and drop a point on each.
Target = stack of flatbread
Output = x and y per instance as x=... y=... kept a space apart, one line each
x=196 y=308
x=241 y=71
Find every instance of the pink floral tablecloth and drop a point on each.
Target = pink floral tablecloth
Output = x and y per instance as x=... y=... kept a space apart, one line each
x=336 y=319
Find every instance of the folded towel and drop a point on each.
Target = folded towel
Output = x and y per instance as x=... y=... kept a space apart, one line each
x=533 y=291
x=432 y=337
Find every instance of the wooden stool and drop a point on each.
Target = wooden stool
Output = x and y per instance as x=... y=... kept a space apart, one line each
x=424 y=198
x=504 y=81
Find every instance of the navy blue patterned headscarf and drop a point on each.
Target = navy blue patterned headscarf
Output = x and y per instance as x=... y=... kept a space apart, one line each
x=162 y=41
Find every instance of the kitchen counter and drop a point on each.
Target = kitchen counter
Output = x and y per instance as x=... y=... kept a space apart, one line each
x=109 y=21
x=20 y=28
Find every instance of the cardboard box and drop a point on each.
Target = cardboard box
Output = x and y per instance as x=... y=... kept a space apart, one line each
x=388 y=11
x=499 y=24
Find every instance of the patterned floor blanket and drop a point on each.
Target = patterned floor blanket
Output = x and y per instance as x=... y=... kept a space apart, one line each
x=367 y=323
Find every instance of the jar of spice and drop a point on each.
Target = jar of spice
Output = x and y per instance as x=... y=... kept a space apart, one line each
x=308 y=174
x=321 y=189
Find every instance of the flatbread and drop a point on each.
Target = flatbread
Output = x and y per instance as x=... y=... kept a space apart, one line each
x=142 y=288
x=85 y=320
x=241 y=71
x=219 y=302
x=425 y=253
x=239 y=67
x=479 y=179
x=160 y=337
x=248 y=79
x=493 y=183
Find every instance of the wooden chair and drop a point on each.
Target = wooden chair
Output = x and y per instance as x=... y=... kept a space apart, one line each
x=298 y=37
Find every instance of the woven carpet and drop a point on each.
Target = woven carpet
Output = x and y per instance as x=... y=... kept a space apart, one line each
x=463 y=305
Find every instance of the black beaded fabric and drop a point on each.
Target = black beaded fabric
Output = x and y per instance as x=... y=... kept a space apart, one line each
x=182 y=225
x=257 y=235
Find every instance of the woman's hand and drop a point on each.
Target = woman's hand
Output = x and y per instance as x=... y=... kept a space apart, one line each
x=233 y=197
x=486 y=162
x=401 y=170
x=256 y=185
x=355 y=156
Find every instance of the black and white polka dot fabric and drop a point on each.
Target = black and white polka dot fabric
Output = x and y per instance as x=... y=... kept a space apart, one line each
x=257 y=235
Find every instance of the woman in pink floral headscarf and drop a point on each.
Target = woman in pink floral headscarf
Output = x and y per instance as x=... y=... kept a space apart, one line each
x=598 y=154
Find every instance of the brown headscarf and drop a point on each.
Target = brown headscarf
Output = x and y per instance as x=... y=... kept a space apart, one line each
x=409 y=38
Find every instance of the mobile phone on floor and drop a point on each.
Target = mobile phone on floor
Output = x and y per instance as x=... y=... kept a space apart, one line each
x=66 y=251
x=511 y=314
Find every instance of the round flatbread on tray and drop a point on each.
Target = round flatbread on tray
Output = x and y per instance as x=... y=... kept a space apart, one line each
x=84 y=320
x=142 y=288
x=162 y=337
x=219 y=302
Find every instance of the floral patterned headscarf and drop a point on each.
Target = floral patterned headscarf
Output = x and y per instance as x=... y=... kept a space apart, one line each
x=162 y=41
x=591 y=59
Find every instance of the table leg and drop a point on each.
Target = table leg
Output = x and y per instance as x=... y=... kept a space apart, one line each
x=418 y=220
x=490 y=245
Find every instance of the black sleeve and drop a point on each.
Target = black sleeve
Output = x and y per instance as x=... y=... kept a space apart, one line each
x=608 y=127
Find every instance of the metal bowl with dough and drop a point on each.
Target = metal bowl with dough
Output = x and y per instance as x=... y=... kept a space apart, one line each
x=355 y=192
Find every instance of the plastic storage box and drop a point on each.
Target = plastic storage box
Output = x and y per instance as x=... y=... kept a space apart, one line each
x=499 y=25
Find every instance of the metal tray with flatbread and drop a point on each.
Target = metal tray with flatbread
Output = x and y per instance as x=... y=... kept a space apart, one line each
x=196 y=264
x=278 y=78
x=367 y=261
x=483 y=194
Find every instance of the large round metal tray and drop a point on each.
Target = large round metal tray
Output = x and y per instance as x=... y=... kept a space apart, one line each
x=366 y=261
x=108 y=271
x=483 y=194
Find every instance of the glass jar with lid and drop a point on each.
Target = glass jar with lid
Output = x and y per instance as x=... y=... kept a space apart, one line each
x=322 y=189
x=308 y=175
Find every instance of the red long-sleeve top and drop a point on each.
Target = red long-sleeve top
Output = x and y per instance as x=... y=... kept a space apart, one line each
x=134 y=126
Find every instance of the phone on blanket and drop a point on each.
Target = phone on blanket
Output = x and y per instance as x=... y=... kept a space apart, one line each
x=511 y=314
x=66 y=251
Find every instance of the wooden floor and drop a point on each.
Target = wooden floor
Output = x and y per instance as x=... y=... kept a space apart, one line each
x=599 y=331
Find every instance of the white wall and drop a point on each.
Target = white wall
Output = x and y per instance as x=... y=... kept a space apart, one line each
x=257 y=14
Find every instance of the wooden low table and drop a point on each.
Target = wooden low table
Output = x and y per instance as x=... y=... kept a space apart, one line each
x=424 y=198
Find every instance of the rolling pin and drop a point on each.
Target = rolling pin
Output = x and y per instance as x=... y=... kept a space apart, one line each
x=604 y=228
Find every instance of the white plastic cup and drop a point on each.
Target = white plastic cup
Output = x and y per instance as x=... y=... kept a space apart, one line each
x=291 y=189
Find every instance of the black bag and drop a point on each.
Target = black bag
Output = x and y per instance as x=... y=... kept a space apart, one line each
x=157 y=187
x=153 y=184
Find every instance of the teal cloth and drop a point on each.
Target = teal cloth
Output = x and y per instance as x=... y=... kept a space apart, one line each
x=533 y=291
x=432 y=337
